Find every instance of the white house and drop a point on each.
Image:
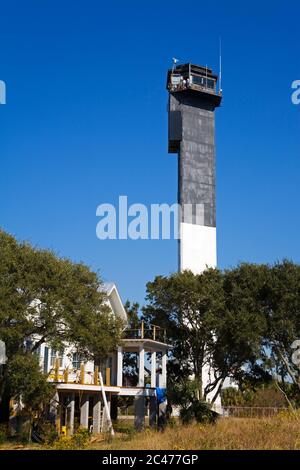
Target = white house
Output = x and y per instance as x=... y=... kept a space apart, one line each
x=84 y=394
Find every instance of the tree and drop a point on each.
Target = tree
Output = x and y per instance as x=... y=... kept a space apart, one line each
x=133 y=318
x=186 y=305
x=269 y=295
x=240 y=326
x=27 y=385
x=184 y=394
x=214 y=320
x=282 y=313
x=261 y=396
x=243 y=324
x=48 y=299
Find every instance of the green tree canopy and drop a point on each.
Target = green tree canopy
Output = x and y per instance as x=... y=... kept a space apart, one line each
x=240 y=324
x=281 y=307
x=187 y=306
x=51 y=300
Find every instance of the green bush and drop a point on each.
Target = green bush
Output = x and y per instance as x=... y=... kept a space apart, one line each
x=185 y=395
x=78 y=441
x=199 y=411
x=81 y=438
x=44 y=432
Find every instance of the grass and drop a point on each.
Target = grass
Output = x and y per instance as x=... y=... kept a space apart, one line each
x=281 y=432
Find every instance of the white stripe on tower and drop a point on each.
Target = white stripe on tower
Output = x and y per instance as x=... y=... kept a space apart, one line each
x=198 y=247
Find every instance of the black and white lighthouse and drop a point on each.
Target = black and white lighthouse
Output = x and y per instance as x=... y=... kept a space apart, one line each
x=193 y=97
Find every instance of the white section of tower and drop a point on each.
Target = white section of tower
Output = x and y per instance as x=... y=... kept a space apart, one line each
x=198 y=247
x=197 y=252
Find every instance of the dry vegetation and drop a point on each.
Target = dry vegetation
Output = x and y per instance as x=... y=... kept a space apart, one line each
x=281 y=432
x=276 y=433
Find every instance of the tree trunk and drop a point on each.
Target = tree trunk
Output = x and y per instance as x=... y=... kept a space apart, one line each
x=199 y=380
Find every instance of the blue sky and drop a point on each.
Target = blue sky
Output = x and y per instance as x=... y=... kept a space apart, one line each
x=85 y=122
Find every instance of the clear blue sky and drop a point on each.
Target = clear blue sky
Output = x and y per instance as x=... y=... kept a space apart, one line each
x=85 y=122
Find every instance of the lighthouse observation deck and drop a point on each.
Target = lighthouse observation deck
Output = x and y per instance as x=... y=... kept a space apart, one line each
x=190 y=77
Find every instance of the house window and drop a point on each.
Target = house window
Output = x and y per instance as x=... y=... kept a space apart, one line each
x=77 y=359
x=29 y=344
x=46 y=355
x=37 y=351
x=56 y=355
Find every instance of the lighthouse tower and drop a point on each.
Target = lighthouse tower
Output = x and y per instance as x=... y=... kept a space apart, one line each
x=193 y=97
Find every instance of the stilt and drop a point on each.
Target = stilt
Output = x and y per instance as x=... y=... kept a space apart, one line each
x=153 y=411
x=162 y=415
x=54 y=411
x=97 y=414
x=139 y=412
x=72 y=413
x=114 y=407
x=84 y=411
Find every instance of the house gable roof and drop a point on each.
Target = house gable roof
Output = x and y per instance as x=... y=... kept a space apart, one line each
x=115 y=300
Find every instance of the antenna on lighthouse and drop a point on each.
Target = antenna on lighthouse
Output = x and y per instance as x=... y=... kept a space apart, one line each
x=174 y=63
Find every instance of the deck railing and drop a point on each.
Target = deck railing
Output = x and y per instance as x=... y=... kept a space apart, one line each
x=145 y=331
x=80 y=376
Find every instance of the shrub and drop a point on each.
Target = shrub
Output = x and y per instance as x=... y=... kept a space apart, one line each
x=81 y=438
x=44 y=432
x=78 y=441
x=199 y=411
x=185 y=394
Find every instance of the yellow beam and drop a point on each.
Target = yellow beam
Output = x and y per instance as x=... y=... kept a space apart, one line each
x=107 y=376
x=96 y=376
x=56 y=369
x=82 y=373
x=66 y=375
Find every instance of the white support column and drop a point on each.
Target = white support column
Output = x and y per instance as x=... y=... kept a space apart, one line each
x=72 y=413
x=55 y=410
x=141 y=367
x=164 y=369
x=153 y=369
x=120 y=367
x=97 y=414
x=84 y=411
x=106 y=418
x=113 y=374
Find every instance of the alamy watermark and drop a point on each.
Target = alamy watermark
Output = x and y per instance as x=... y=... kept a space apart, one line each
x=296 y=93
x=2 y=92
x=138 y=221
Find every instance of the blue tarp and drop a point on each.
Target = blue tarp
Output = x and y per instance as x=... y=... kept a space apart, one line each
x=161 y=395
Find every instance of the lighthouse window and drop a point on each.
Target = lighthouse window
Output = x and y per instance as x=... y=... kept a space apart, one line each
x=175 y=79
x=210 y=83
x=203 y=81
x=198 y=80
